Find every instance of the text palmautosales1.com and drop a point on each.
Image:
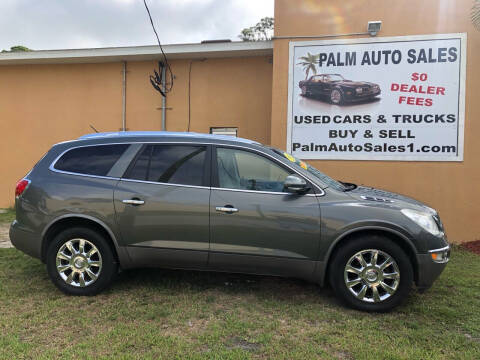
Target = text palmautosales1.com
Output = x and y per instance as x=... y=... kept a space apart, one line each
x=374 y=148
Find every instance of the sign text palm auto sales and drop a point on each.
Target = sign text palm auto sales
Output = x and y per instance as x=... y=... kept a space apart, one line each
x=378 y=99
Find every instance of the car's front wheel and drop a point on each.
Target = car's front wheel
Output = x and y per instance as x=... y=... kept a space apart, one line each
x=371 y=273
x=336 y=97
x=81 y=262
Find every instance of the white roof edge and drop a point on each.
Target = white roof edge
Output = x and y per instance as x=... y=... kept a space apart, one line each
x=139 y=53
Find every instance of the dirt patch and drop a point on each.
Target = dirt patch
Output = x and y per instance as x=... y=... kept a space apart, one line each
x=343 y=355
x=473 y=246
x=243 y=344
x=4 y=237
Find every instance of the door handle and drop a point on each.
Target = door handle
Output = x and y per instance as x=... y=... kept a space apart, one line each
x=226 y=209
x=133 y=201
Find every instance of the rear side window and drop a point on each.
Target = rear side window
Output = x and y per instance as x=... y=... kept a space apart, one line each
x=174 y=164
x=91 y=160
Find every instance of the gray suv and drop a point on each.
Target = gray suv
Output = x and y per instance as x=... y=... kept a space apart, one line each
x=181 y=200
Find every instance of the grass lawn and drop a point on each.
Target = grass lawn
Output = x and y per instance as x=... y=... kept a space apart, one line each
x=195 y=315
x=7 y=215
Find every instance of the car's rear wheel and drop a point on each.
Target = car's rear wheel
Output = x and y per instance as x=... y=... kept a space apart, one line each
x=336 y=97
x=81 y=262
x=371 y=273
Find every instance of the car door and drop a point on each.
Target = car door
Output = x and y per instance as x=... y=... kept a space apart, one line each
x=316 y=85
x=162 y=205
x=255 y=226
x=326 y=86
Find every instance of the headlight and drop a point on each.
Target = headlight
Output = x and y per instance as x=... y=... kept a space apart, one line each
x=358 y=90
x=422 y=219
x=440 y=255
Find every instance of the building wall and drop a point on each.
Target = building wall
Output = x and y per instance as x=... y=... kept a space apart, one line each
x=41 y=105
x=451 y=188
x=233 y=92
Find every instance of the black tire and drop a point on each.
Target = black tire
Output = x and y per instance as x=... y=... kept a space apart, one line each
x=106 y=274
x=341 y=97
x=383 y=244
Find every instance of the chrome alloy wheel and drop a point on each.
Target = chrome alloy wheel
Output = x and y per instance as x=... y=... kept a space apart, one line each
x=372 y=275
x=79 y=262
x=336 y=96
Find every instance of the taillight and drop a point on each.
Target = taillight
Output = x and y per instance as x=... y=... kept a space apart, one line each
x=21 y=187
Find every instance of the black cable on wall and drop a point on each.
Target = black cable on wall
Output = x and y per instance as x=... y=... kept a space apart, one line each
x=156 y=78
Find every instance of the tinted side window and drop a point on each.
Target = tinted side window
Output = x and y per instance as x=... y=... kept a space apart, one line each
x=174 y=164
x=238 y=169
x=91 y=160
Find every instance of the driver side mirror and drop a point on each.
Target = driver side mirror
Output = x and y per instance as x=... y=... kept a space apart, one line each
x=295 y=184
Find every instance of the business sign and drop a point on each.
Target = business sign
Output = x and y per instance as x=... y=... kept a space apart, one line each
x=395 y=98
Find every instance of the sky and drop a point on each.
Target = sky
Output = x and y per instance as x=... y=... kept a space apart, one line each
x=69 y=24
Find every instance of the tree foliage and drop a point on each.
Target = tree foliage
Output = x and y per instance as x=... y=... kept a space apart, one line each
x=17 y=48
x=263 y=30
x=309 y=63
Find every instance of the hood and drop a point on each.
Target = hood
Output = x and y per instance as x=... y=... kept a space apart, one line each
x=355 y=83
x=387 y=198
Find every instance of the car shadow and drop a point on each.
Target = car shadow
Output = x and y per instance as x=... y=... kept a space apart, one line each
x=326 y=100
x=280 y=288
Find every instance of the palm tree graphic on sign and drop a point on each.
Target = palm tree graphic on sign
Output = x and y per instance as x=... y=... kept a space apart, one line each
x=309 y=64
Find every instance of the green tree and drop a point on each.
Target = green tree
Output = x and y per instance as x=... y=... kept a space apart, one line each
x=17 y=48
x=309 y=63
x=262 y=31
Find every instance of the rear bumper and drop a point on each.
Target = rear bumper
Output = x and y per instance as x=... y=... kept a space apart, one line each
x=25 y=240
x=428 y=270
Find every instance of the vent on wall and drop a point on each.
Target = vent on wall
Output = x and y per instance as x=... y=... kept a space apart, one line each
x=230 y=131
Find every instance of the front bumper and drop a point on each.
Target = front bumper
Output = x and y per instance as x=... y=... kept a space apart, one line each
x=25 y=240
x=428 y=269
x=352 y=96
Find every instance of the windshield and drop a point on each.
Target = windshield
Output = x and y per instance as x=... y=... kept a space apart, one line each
x=327 y=180
x=334 y=77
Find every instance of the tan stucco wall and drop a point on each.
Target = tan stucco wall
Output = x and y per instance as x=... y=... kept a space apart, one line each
x=41 y=105
x=233 y=92
x=451 y=188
